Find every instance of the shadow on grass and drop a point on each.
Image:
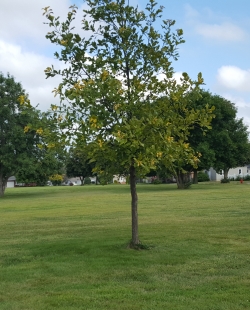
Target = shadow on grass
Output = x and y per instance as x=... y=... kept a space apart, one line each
x=42 y=192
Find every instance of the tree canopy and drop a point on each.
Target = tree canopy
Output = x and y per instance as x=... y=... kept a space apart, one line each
x=24 y=149
x=229 y=137
x=15 y=143
x=77 y=163
x=225 y=145
x=118 y=92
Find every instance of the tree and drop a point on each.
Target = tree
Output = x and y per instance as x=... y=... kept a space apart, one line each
x=25 y=150
x=225 y=145
x=120 y=92
x=38 y=168
x=181 y=168
x=46 y=156
x=228 y=138
x=77 y=164
x=15 y=113
x=198 y=137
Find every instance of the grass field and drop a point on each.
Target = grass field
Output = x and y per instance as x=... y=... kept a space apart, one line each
x=66 y=248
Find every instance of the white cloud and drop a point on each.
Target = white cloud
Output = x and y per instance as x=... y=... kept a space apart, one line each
x=23 y=44
x=28 y=68
x=232 y=77
x=213 y=26
x=239 y=101
x=190 y=12
x=242 y=105
x=226 y=32
x=24 y=18
x=177 y=76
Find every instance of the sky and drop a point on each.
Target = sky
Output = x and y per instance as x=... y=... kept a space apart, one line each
x=216 y=33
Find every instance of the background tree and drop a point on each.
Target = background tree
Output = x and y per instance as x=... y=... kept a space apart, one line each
x=46 y=158
x=15 y=144
x=38 y=168
x=77 y=163
x=229 y=138
x=225 y=145
x=198 y=138
x=120 y=88
x=25 y=150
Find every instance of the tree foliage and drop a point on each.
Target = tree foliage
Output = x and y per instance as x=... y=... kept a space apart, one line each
x=120 y=90
x=16 y=143
x=25 y=150
x=46 y=156
x=229 y=137
x=77 y=163
x=225 y=145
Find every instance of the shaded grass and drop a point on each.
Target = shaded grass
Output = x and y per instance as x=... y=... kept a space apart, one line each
x=66 y=248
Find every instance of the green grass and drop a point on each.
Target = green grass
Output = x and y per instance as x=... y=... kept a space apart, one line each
x=66 y=248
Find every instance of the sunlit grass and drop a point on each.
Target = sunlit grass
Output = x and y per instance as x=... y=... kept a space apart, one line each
x=66 y=248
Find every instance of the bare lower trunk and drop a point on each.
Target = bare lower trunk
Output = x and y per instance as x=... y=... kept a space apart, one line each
x=134 y=202
x=82 y=181
x=183 y=180
x=3 y=184
x=226 y=173
x=195 y=178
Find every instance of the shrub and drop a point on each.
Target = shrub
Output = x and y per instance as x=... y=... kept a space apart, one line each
x=87 y=180
x=56 y=179
x=238 y=178
x=156 y=181
x=203 y=177
x=225 y=181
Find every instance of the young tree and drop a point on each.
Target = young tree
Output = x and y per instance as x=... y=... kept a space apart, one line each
x=120 y=91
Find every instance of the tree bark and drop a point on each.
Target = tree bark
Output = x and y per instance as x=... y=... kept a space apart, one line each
x=183 y=180
x=195 y=178
x=3 y=183
x=226 y=173
x=134 y=202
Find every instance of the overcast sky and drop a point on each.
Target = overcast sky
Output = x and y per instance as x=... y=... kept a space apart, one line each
x=217 y=35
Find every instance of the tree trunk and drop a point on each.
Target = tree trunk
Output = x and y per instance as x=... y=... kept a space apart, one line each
x=3 y=184
x=226 y=173
x=183 y=180
x=195 y=178
x=134 y=202
x=82 y=179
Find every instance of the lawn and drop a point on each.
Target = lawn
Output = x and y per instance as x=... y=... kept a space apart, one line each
x=66 y=248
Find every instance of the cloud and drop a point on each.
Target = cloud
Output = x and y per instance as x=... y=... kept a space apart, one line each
x=28 y=68
x=232 y=77
x=190 y=12
x=242 y=105
x=216 y=28
x=26 y=18
x=23 y=46
x=23 y=21
x=177 y=76
x=226 y=32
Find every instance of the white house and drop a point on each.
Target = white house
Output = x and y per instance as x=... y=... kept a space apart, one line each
x=77 y=181
x=232 y=173
x=11 y=182
x=119 y=179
